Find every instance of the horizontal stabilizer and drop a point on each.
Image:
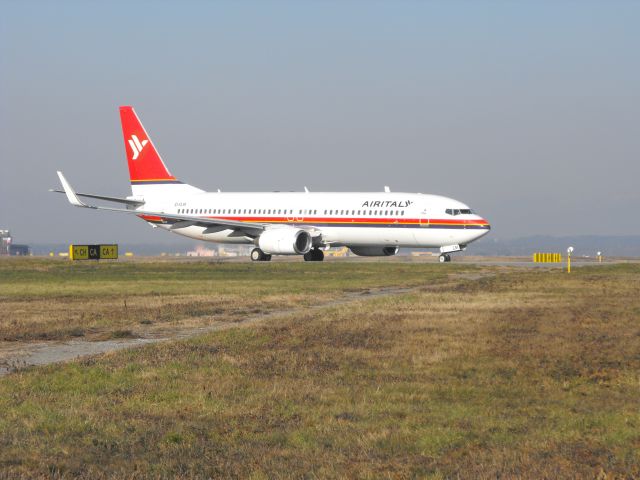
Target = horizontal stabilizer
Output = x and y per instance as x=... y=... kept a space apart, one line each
x=126 y=201
x=71 y=195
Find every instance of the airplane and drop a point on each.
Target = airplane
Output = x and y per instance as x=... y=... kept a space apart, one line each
x=284 y=223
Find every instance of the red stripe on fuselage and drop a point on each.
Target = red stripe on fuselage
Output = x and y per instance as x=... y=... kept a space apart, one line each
x=337 y=221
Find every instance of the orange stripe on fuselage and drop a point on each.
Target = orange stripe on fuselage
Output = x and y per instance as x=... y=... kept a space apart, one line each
x=338 y=221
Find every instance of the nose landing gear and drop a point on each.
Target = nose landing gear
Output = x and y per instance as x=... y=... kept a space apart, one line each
x=446 y=250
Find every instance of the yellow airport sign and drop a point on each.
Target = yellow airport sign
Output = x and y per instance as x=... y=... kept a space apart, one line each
x=93 y=252
x=547 y=257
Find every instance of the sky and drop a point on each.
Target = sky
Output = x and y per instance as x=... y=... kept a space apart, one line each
x=527 y=111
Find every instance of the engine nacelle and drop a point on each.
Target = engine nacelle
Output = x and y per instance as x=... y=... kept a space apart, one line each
x=374 y=251
x=285 y=241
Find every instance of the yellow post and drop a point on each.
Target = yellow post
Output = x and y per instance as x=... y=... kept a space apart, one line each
x=569 y=263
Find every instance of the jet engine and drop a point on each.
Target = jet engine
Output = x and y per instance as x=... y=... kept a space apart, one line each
x=285 y=241
x=374 y=251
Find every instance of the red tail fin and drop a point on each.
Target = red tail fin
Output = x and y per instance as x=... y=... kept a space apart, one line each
x=145 y=165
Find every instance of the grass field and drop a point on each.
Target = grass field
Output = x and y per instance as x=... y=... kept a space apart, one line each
x=58 y=300
x=494 y=372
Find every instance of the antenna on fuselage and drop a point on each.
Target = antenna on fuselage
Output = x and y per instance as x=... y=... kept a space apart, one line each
x=387 y=189
x=306 y=190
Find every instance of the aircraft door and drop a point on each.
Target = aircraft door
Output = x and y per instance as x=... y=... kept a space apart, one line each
x=421 y=233
x=424 y=218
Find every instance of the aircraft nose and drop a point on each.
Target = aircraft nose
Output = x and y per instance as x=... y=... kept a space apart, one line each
x=485 y=227
x=482 y=227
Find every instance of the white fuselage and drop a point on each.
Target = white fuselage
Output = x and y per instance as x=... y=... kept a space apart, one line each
x=349 y=219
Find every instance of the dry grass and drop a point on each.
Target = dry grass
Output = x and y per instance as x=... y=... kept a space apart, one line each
x=56 y=300
x=521 y=375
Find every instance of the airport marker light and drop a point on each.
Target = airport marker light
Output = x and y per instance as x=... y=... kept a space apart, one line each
x=569 y=250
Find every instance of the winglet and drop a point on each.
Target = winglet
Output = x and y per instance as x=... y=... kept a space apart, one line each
x=68 y=190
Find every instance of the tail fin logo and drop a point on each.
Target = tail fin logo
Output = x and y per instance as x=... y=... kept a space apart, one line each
x=137 y=146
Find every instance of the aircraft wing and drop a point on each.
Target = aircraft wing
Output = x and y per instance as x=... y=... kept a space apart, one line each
x=182 y=221
x=175 y=220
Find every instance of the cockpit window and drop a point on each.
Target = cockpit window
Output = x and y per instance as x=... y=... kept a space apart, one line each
x=458 y=211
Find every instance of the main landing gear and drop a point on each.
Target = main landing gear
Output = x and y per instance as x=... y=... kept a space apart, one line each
x=445 y=257
x=314 y=255
x=258 y=255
